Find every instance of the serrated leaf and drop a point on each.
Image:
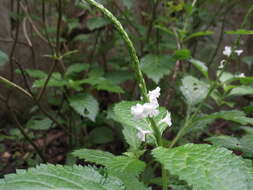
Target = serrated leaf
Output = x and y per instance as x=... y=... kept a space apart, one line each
x=240 y=32
x=97 y=22
x=206 y=167
x=123 y=115
x=241 y=91
x=225 y=141
x=115 y=164
x=231 y=115
x=50 y=177
x=85 y=104
x=156 y=66
x=3 y=58
x=201 y=66
x=193 y=90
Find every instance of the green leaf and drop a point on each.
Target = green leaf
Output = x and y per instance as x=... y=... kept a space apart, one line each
x=96 y=22
x=43 y=124
x=51 y=177
x=115 y=164
x=200 y=66
x=123 y=115
x=76 y=68
x=193 y=90
x=199 y=34
x=225 y=141
x=182 y=54
x=56 y=80
x=240 y=32
x=3 y=58
x=231 y=115
x=101 y=135
x=206 y=167
x=36 y=73
x=156 y=66
x=241 y=91
x=247 y=145
x=85 y=104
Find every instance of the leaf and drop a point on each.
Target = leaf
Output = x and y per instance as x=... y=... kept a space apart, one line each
x=101 y=135
x=3 y=58
x=115 y=164
x=156 y=66
x=200 y=66
x=193 y=90
x=51 y=177
x=85 y=104
x=96 y=22
x=76 y=68
x=123 y=115
x=206 y=167
x=56 y=80
x=225 y=141
x=131 y=138
x=231 y=115
x=182 y=54
x=199 y=34
x=36 y=73
x=240 y=32
x=43 y=124
x=247 y=145
x=241 y=91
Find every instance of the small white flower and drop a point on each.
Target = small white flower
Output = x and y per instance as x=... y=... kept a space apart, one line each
x=150 y=109
x=142 y=134
x=137 y=111
x=166 y=119
x=239 y=52
x=227 y=51
x=154 y=94
x=221 y=66
x=242 y=75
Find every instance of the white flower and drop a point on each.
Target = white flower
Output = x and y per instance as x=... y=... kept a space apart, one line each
x=137 y=111
x=239 y=52
x=150 y=109
x=142 y=134
x=221 y=66
x=154 y=94
x=227 y=51
x=166 y=119
x=242 y=75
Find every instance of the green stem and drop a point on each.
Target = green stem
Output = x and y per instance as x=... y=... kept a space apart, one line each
x=136 y=65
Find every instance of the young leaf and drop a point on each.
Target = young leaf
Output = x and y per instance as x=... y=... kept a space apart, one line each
x=85 y=104
x=36 y=73
x=193 y=90
x=156 y=66
x=51 y=177
x=43 y=124
x=199 y=34
x=200 y=66
x=76 y=68
x=206 y=167
x=182 y=54
x=3 y=58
